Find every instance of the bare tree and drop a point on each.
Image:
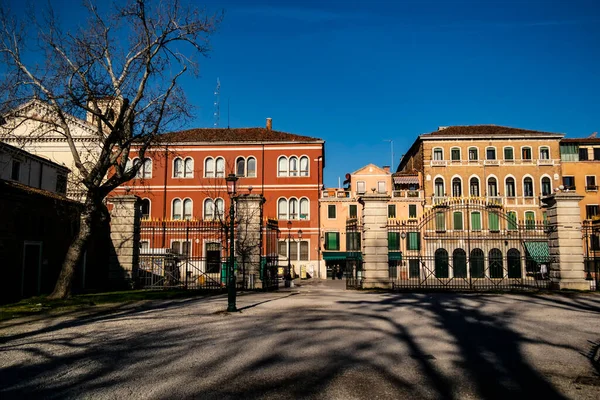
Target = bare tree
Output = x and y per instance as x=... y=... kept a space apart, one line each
x=121 y=70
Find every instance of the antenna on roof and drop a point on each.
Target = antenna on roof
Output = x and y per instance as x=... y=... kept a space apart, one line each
x=217 y=113
x=228 y=113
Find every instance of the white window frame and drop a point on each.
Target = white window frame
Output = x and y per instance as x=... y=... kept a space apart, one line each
x=304 y=172
x=532 y=186
x=237 y=173
x=185 y=216
x=177 y=168
x=209 y=172
x=530 y=151
x=280 y=171
x=381 y=187
x=469 y=153
x=219 y=173
x=173 y=209
x=514 y=186
x=540 y=152
x=364 y=184
x=248 y=159
x=282 y=215
x=304 y=200
x=504 y=154
x=459 y=154
x=495 y=152
x=542 y=186
x=295 y=172
x=188 y=172
x=433 y=152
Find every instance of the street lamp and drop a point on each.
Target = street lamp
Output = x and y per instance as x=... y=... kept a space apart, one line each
x=231 y=180
x=288 y=275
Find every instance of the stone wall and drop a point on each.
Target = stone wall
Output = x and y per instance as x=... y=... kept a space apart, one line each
x=125 y=238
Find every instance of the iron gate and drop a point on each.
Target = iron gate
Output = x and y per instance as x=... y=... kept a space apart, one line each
x=468 y=244
x=192 y=254
x=591 y=254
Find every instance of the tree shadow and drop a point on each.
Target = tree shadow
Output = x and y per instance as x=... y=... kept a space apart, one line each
x=326 y=345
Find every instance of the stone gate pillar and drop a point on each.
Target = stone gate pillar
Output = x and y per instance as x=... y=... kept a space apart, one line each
x=248 y=241
x=567 y=270
x=125 y=237
x=375 y=241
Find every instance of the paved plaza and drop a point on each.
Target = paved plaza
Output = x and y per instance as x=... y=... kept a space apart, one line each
x=315 y=340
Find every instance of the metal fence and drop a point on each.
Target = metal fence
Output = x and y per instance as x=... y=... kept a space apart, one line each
x=469 y=246
x=591 y=251
x=194 y=255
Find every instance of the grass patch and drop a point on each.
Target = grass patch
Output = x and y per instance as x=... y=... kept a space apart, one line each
x=41 y=304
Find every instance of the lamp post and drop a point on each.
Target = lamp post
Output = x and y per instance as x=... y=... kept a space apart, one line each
x=231 y=180
x=288 y=275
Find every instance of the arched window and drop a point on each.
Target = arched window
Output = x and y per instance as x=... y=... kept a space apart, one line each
x=438 y=154
x=304 y=208
x=293 y=205
x=528 y=187
x=145 y=170
x=510 y=187
x=473 y=154
x=544 y=153
x=455 y=154
x=129 y=165
x=187 y=209
x=495 y=263
x=209 y=209
x=177 y=168
x=456 y=187
x=513 y=259
x=176 y=209
x=282 y=166
x=220 y=167
x=251 y=167
x=529 y=220
x=546 y=186
x=441 y=263
x=474 y=187
x=476 y=263
x=188 y=170
x=492 y=187
x=439 y=187
x=304 y=166
x=145 y=208
x=147 y=167
x=459 y=263
x=282 y=209
x=209 y=168
x=219 y=208
x=240 y=167
x=490 y=153
x=526 y=153
x=293 y=166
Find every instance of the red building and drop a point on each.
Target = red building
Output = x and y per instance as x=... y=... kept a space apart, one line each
x=183 y=178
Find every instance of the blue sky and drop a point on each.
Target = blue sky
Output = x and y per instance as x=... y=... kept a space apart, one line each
x=357 y=73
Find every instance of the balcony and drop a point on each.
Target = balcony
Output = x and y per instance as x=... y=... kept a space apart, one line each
x=591 y=188
x=545 y=162
x=439 y=163
x=491 y=162
x=416 y=194
x=340 y=194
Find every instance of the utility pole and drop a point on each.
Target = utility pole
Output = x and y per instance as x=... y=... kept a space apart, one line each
x=392 y=148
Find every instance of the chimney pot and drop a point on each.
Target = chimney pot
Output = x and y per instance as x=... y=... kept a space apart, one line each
x=386 y=168
x=269 y=124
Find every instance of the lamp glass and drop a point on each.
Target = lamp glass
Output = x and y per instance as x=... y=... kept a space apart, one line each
x=300 y=234
x=231 y=181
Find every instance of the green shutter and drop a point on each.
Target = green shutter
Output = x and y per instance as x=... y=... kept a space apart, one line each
x=412 y=211
x=391 y=211
x=476 y=221
x=494 y=223
x=393 y=241
x=458 y=221
x=413 y=241
x=440 y=222
x=333 y=241
x=512 y=221
x=529 y=220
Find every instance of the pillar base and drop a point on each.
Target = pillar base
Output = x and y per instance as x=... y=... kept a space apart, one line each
x=570 y=284
x=370 y=283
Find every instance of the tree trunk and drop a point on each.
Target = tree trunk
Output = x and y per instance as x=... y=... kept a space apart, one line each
x=62 y=289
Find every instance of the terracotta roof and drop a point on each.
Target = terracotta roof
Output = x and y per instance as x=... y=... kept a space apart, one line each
x=485 y=130
x=588 y=140
x=19 y=187
x=233 y=135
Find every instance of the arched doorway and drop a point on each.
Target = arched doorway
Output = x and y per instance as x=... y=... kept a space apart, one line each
x=459 y=263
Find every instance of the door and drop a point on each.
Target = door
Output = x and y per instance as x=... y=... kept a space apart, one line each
x=32 y=269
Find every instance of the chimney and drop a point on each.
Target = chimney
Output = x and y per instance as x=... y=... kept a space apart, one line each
x=386 y=168
x=441 y=128
x=269 y=124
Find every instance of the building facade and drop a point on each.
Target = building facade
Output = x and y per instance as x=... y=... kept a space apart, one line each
x=580 y=164
x=510 y=167
x=341 y=207
x=183 y=178
x=28 y=169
